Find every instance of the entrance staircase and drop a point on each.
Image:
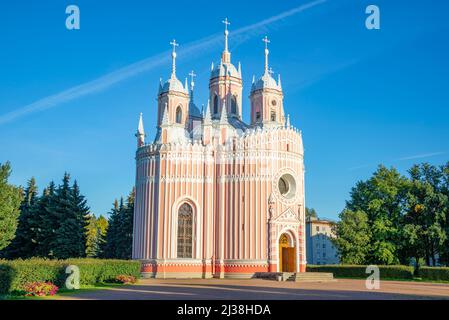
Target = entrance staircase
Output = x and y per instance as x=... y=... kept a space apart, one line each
x=297 y=276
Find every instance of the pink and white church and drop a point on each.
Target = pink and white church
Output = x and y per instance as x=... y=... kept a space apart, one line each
x=215 y=196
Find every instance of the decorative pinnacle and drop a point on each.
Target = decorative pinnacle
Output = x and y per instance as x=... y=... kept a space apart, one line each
x=226 y=33
x=174 y=44
x=266 y=52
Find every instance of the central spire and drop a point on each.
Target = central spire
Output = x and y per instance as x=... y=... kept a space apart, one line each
x=266 y=53
x=226 y=56
x=173 y=55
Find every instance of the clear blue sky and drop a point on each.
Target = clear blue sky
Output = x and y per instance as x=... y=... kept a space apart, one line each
x=360 y=97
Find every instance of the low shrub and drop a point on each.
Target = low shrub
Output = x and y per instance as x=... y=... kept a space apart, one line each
x=125 y=279
x=15 y=274
x=355 y=271
x=433 y=273
x=40 y=289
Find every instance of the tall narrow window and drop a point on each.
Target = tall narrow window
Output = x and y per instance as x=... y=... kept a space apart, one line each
x=185 y=235
x=179 y=115
x=273 y=115
x=216 y=104
x=234 y=105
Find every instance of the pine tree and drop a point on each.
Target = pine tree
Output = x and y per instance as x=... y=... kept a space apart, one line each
x=69 y=235
x=43 y=222
x=125 y=234
x=82 y=213
x=24 y=244
x=108 y=250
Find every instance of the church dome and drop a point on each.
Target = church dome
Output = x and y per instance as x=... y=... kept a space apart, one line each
x=265 y=82
x=173 y=84
x=225 y=69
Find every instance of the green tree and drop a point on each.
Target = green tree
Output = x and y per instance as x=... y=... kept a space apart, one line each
x=353 y=236
x=10 y=198
x=43 y=221
x=24 y=244
x=120 y=230
x=425 y=219
x=71 y=211
x=95 y=235
x=381 y=197
x=109 y=248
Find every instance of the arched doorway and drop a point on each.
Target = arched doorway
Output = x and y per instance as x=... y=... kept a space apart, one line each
x=287 y=254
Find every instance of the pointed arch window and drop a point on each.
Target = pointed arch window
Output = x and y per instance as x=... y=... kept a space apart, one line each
x=179 y=114
x=216 y=104
x=185 y=231
x=273 y=115
x=234 y=105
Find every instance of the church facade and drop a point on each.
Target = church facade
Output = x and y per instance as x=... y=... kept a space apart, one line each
x=215 y=196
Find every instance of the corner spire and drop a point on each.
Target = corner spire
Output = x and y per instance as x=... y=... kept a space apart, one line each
x=173 y=55
x=140 y=134
x=266 y=53
x=226 y=55
x=165 y=116
x=224 y=114
x=208 y=117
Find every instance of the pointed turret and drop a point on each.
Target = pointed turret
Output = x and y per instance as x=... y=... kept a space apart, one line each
x=207 y=116
x=140 y=134
x=224 y=114
x=165 y=121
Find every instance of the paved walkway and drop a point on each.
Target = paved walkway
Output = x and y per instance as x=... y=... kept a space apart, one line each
x=258 y=289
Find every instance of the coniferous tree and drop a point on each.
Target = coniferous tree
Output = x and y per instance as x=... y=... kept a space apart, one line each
x=70 y=210
x=24 y=244
x=108 y=249
x=125 y=234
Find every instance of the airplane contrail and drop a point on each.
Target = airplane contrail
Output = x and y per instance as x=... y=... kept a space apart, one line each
x=239 y=36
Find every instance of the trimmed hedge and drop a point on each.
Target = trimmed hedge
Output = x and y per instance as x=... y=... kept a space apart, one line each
x=14 y=274
x=434 y=273
x=355 y=271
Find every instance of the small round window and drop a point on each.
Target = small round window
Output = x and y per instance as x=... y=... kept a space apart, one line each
x=273 y=102
x=287 y=186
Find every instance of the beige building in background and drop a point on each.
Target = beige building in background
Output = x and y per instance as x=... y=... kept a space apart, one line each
x=320 y=249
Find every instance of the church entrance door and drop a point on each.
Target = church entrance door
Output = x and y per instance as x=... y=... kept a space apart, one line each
x=287 y=256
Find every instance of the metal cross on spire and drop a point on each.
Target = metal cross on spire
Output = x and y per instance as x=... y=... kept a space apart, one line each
x=266 y=52
x=192 y=75
x=174 y=44
x=226 y=23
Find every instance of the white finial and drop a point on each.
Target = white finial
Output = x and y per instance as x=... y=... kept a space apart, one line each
x=288 y=121
x=212 y=66
x=174 y=44
x=186 y=87
x=240 y=69
x=279 y=81
x=266 y=52
x=254 y=79
x=226 y=33
x=271 y=71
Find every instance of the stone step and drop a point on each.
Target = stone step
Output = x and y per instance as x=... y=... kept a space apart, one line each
x=312 y=276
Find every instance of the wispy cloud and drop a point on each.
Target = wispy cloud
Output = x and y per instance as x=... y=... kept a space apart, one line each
x=421 y=156
x=110 y=79
x=412 y=157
